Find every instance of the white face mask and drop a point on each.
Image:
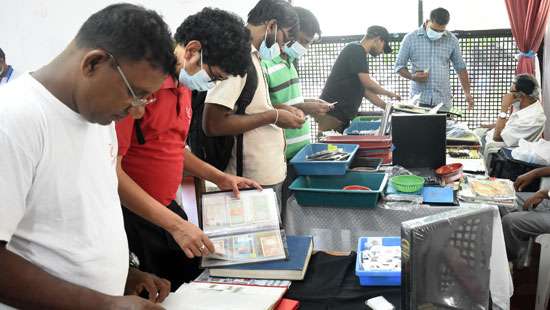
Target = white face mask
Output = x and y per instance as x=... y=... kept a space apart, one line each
x=516 y=105
x=200 y=81
x=269 y=53
x=296 y=50
x=432 y=34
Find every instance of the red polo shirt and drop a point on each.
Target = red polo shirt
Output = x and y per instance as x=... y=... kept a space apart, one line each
x=157 y=165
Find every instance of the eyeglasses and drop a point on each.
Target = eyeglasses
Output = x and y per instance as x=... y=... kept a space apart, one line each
x=136 y=101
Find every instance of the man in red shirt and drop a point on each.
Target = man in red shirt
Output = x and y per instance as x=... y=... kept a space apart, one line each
x=153 y=154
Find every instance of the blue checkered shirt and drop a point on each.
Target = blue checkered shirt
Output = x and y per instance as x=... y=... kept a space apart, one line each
x=425 y=54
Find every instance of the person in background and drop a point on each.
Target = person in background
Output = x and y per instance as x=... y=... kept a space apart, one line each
x=272 y=23
x=153 y=155
x=429 y=49
x=7 y=73
x=284 y=84
x=285 y=91
x=532 y=218
x=62 y=238
x=521 y=117
x=349 y=80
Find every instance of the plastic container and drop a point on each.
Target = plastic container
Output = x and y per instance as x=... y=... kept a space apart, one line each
x=407 y=183
x=386 y=155
x=367 y=118
x=364 y=142
x=450 y=173
x=376 y=277
x=322 y=167
x=361 y=126
x=327 y=191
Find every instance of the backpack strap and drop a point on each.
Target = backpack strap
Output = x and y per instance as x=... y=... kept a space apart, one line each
x=139 y=134
x=247 y=94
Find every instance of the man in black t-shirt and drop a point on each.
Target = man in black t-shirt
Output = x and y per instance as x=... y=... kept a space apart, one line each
x=349 y=80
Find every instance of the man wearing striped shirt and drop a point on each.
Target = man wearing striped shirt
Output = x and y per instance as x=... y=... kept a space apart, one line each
x=429 y=49
x=284 y=85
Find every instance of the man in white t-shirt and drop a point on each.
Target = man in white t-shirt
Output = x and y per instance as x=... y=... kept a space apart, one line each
x=521 y=117
x=62 y=238
x=7 y=73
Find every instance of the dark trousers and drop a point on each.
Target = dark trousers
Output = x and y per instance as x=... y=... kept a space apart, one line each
x=157 y=251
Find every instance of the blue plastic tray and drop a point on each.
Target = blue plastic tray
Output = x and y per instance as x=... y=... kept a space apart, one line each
x=361 y=125
x=322 y=167
x=327 y=190
x=376 y=278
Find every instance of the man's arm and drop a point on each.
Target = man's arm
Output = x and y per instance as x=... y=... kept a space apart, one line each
x=501 y=122
x=417 y=77
x=375 y=99
x=527 y=178
x=403 y=59
x=373 y=87
x=24 y=285
x=219 y=120
x=460 y=68
x=203 y=170
x=315 y=106
x=465 y=82
x=188 y=236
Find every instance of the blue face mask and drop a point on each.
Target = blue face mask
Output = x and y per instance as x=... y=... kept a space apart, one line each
x=200 y=81
x=269 y=53
x=432 y=34
x=295 y=51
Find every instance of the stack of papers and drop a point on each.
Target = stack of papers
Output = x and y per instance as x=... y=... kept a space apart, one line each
x=488 y=190
x=214 y=296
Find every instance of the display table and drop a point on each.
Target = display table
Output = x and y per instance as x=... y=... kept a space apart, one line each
x=338 y=229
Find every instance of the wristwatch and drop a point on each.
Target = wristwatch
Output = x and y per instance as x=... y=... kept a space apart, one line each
x=503 y=115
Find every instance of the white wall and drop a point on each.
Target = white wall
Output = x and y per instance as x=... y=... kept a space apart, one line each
x=32 y=32
x=348 y=17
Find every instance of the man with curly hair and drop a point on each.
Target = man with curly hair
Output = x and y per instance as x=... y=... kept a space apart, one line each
x=271 y=23
x=210 y=45
x=62 y=239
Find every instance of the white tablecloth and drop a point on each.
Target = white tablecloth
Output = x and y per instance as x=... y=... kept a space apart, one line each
x=338 y=229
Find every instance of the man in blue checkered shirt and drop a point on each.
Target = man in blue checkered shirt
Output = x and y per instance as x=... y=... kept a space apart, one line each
x=429 y=49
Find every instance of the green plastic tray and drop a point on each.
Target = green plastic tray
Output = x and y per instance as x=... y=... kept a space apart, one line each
x=326 y=191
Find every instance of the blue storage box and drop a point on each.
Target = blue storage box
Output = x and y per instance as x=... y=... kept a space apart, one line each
x=322 y=167
x=377 y=278
x=327 y=191
x=360 y=126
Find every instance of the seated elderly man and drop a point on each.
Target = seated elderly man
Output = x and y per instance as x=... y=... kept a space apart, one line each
x=521 y=117
x=532 y=218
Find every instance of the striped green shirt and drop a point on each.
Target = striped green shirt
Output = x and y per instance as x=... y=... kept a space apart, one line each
x=284 y=88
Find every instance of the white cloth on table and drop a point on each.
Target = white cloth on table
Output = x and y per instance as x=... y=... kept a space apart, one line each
x=338 y=229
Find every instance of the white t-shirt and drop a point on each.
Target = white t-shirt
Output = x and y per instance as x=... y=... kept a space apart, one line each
x=526 y=124
x=263 y=147
x=58 y=189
